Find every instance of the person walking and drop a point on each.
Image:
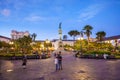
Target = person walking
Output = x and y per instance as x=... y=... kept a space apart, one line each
x=55 y=55
x=59 y=61
x=105 y=56
x=24 y=61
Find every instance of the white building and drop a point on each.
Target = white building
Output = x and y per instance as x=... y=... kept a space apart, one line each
x=55 y=43
x=16 y=35
x=5 y=39
x=115 y=40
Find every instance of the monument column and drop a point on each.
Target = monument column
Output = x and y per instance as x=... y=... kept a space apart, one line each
x=60 y=45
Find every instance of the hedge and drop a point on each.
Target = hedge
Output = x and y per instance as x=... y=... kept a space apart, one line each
x=98 y=52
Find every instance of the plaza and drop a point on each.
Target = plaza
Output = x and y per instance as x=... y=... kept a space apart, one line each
x=87 y=32
x=73 y=69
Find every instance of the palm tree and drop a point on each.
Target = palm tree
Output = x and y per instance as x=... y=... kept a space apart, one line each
x=73 y=33
x=33 y=36
x=100 y=35
x=81 y=33
x=88 y=32
x=64 y=37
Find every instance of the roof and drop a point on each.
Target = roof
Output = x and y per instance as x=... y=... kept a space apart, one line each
x=54 y=40
x=5 y=37
x=39 y=40
x=68 y=40
x=112 y=37
x=62 y=40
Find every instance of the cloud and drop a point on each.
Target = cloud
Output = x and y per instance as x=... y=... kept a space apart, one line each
x=5 y=12
x=35 y=18
x=90 y=12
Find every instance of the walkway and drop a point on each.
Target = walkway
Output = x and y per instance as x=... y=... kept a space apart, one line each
x=73 y=69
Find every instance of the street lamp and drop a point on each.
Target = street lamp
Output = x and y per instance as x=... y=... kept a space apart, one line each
x=12 y=43
x=42 y=47
x=47 y=44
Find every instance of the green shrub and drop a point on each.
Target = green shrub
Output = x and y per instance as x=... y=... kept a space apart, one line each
x=13 y=54
x=6 y=55
x=98 y=52
x=117 y=57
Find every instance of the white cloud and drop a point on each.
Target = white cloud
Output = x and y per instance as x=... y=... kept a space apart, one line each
x=90 y=12
x=35 y=18
x=5 y=12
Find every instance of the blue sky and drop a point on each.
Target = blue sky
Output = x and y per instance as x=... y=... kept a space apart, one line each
x=43 y=16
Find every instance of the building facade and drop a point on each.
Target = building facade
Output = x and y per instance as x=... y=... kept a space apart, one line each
x=55 y=43
x=16 y=34
x=115 y=40
x=5 y=39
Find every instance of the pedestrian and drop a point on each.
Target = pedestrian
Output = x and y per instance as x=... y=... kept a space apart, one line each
x=105 y=56
x=55 y=55
x=24 y=60
x=59 y=61
x=56 y=63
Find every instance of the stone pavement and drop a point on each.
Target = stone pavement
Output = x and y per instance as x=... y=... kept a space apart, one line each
x=73 y=69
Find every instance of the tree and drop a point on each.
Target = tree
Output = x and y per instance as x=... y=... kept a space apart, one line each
x=67 y=47
x=100 y=35
x=36 y=45
x=64 y=37
x=81 y=33
x=47 y=44
x=23 y=43
x=73 y=33
x=77 y=45
x=0 y=44
x=88 y=32
x=33 y=36
x=4 y=45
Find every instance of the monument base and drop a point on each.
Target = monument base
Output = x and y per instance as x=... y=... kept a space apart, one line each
x=60 y=49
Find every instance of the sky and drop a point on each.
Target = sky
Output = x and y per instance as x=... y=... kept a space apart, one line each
x=43 y=17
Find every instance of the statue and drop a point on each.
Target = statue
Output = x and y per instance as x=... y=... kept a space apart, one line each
x=60 y=30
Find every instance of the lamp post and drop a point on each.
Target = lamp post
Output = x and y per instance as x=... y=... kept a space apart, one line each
x=42 y=47
x=47 y=44
x=12 y=43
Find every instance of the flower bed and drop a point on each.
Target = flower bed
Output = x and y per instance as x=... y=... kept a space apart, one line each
x=20 y=56
x=96 y=55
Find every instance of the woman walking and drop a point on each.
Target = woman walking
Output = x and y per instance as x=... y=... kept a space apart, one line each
x=24 y=61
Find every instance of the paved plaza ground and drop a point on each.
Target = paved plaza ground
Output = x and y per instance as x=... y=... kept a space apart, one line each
x=73 y=69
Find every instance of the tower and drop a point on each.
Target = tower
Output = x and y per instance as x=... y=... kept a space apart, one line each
x=60 y=32
x=60 y=36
